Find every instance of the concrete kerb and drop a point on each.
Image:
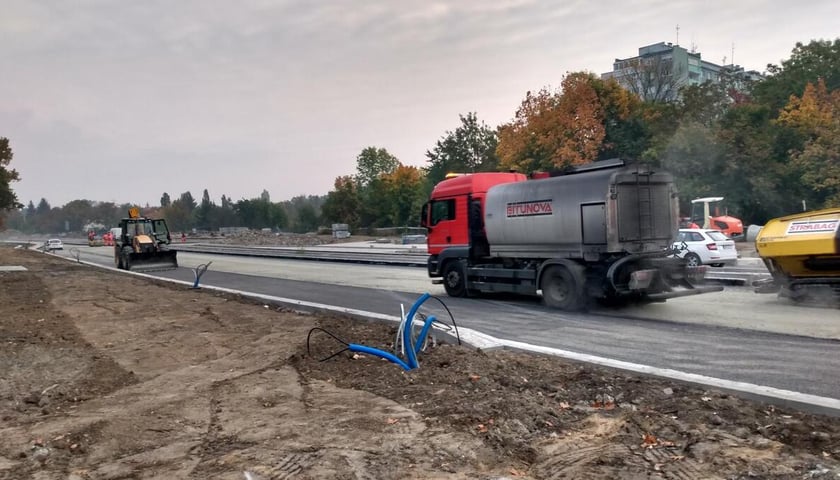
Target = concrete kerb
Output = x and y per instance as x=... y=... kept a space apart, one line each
x=770 y=395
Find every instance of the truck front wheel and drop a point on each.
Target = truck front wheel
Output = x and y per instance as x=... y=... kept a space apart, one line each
x=562 y=287
x=454 y=279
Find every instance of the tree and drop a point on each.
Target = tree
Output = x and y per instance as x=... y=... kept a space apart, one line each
x=8 y=199
x=204 y=212
x=43 y=207
x=816 y=115
x=187 y=201
x=375 y=208
x=755 y=174
x=554 y=129
x=819 y=59
x=77 y=213
x=627 y=132
x=373 y=162
x=165 y=201
x=405 y=195
x=259 y=213
x=342 y=203
x=470 y=148
x=654 y=79
x=304 y=211
x=307 y=219
x=705 y=104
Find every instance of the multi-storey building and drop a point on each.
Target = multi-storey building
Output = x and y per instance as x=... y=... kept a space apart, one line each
x=661 y=69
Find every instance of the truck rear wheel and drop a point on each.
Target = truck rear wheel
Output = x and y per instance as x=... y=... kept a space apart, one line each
x=563 y=287
x=454 y=279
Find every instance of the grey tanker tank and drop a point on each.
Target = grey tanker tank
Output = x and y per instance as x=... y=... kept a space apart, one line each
x=585 y=215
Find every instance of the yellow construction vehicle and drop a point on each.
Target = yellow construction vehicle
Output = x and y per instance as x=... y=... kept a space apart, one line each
x=802 y=253
x=142 y=244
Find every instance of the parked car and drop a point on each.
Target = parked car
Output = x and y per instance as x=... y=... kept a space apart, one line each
x=53 y=244
x=705 y=247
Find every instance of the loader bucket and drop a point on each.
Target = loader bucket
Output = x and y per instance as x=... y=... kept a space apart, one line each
x=153 y=261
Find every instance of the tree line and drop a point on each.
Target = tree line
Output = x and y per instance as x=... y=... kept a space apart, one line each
x=771 y=147
x=183 y=214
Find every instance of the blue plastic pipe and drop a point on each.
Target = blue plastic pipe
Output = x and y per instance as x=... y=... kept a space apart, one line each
x=355 y=347
x=409 y=319
x=425 y=331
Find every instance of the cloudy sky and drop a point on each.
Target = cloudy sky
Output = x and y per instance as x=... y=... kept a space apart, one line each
x=121 y=101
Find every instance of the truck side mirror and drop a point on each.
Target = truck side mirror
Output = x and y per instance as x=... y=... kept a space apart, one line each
x=424 y=215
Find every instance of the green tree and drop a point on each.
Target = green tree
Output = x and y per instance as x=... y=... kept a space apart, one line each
x=754 y=174
x=819 y=59
x=259 y=213
x=165 y=201
x=304 y=212
x=342 y=203
x=224 y=215
x=307 y=219
x=8 y=199
x=204 y=212
x=470 y=148
x=187 y=201
x=77 y=213
x=375 y=209
x=43 y=207
x=693 y=157
x=178 y=215
x=704 y=104
x=373 y=162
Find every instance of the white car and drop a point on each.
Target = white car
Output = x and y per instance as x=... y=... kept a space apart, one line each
x=705 y=247
x=53 y=244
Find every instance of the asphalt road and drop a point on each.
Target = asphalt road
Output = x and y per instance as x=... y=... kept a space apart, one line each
x=735 y=335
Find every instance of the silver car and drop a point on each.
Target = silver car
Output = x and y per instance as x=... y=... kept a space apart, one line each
x=705 y=247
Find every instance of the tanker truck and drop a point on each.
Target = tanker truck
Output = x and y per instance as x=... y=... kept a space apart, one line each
x=603 y=231
x=802 y=254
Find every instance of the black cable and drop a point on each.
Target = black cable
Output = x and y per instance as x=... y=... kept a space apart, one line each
x=451 y=317
x=309 y=335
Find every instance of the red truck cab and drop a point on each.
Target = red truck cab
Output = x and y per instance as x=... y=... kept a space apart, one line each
x=454 y=212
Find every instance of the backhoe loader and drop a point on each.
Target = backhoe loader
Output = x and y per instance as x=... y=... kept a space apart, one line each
x=142 y=244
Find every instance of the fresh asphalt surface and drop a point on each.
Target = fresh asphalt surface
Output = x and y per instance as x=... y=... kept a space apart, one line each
x=789 y=362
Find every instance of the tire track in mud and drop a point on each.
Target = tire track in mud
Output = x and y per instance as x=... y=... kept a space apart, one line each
x=572 y=460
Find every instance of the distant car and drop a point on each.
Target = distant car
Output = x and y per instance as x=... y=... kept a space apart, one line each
x=54 y=244
x=700 y=246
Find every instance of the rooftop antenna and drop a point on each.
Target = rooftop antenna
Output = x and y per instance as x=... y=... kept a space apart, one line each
x=693 y=45
x=733 y=54
x=678 y=34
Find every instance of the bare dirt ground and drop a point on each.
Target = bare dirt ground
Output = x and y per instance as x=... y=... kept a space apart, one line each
x=107 y=376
